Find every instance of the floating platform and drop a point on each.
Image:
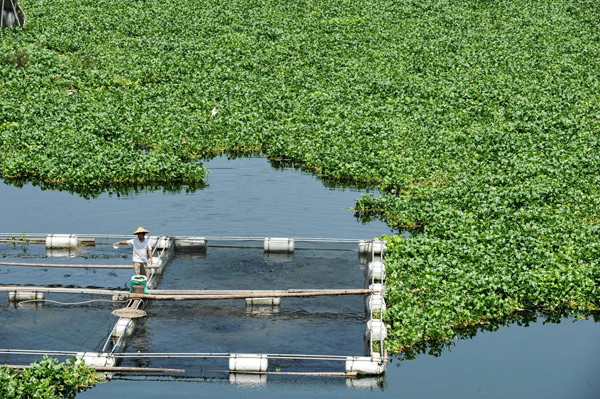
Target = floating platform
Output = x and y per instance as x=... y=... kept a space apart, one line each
x=259 y=302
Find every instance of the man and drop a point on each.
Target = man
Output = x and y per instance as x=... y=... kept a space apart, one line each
x=141 y=251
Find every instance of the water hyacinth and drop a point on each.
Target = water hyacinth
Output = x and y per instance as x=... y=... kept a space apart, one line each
x=478 y=121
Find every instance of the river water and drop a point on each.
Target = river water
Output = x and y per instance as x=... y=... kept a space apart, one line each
x=249 y=197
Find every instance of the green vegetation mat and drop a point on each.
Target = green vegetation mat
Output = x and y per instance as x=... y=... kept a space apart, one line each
x=480 y=121
x=47 y=379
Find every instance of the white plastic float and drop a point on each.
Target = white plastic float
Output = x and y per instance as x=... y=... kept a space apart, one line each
x=271 y=301
x=365 y=365
x=19 y=296
x=240 y=362
x=376 y=271
x=159 y=242
x=375 y=246
x=376 y=287
x=376 y=329
x=279 y=244
x=61 y=241
x=375 y=303
x=123 y=327
x=190 y=243
x=95 y=359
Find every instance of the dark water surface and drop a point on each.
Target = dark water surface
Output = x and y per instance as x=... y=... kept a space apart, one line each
x=247 y=197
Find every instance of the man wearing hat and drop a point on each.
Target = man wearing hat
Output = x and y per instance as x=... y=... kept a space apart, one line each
x=141 y=251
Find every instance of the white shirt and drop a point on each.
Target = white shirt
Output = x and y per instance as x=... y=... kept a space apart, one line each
x=140 y=249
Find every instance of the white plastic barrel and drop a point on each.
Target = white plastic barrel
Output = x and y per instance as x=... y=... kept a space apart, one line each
x=376 y=329
x=363 y=246
x=241 y=362
x=156 y=266
x=61 y=241
x=279 y=244
x=374 y=246
x=120 y=297
x=375 y=303
x=365 y=365
x=271 y=301
x=376 y=271
x=378 y=247
x=376 y=287
x=95 y=359
x=159 y=242
x=18 y=296
x=123 y=327
x=190 y=243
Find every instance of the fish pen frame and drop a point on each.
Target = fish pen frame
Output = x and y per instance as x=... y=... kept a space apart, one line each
x=372 y=252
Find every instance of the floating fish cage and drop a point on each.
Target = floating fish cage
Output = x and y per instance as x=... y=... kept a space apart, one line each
x=245 y=306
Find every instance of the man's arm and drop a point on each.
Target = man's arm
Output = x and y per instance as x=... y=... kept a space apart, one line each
x=149 y=256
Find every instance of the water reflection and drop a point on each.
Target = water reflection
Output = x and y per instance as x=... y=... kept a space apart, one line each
x=117 y=189
x=522 y=319
x=282 y=164
x=242 y=196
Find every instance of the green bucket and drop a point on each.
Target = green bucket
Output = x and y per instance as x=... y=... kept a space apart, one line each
x=139 y=279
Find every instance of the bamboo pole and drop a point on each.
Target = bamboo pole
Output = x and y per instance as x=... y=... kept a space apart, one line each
x=62 y=290
x=175 y=355
x=31 y=240
x=307 y=373
x=234 y=295
x=168 y=370
x=249 y=292
x=66 y=265
x=197 y=294
x=115 y=369
x=42 y=240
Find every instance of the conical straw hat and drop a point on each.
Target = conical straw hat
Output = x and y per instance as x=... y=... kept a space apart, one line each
x=140 y=230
